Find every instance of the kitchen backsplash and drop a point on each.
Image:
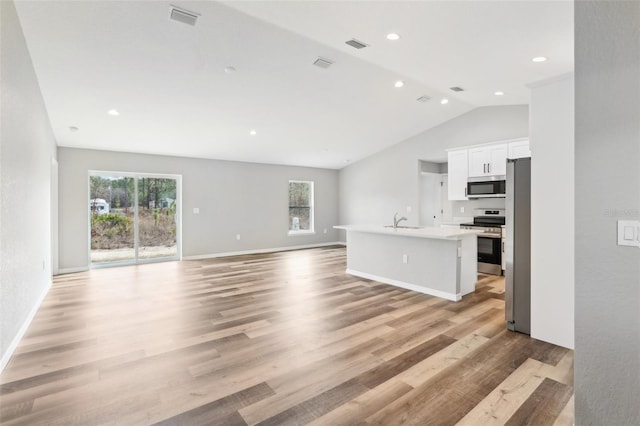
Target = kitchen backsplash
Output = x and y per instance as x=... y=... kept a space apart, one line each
x=470 y=205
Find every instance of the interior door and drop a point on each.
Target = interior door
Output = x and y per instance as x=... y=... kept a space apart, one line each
x=446 y=206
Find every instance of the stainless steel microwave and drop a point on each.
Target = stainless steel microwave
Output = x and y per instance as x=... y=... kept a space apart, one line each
x=487 y=187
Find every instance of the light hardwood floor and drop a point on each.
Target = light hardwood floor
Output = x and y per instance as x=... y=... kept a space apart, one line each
x=283 y=338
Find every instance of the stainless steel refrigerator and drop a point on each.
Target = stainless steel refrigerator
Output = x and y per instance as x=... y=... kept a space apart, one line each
x=518 y=245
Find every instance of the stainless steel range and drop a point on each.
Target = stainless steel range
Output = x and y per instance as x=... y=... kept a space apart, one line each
x=490 y=221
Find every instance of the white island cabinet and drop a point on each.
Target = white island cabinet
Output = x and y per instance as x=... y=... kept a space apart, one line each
x=437 y=261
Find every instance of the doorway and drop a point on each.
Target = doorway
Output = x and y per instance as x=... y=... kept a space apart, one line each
x=134 y=218
x=435 y=206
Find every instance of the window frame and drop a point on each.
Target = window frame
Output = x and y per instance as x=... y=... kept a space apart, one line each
x=312 y=208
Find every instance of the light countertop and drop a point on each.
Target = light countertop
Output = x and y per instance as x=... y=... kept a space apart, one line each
x=426 y=232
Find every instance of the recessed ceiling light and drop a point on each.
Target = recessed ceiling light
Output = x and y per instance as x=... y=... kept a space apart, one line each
x=399 y=83
x=444 y=101
x=498 y=93
x=113 y=112
x=253 y=132
x=393 y=36
x=539 y=59
x=230 y=70
x=73 y=129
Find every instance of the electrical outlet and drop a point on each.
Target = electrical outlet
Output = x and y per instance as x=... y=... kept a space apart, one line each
x=324 y=231
x=408 y=209
x=629 y=233
x=196 y=210
x=405 y=259
x=461 y=209
x=238 y=237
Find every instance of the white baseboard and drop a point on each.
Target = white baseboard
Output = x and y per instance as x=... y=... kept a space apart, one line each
x=63 y=271
x=14 y=343
x=259 y=251
x=408 y=286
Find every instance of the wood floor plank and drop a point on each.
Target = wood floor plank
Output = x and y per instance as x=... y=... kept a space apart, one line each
x=453 y=392
x=543 y=406
x=355 y=410
x=315 y=407
x=498 y=407
x=565 y=418
x=440 y=361
x=276 y=338
x=218 y=412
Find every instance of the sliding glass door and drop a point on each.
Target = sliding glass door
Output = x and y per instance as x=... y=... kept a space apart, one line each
x=157 y=212
x=134 y=218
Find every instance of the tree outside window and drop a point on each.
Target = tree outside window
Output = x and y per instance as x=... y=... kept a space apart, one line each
x=300 y=207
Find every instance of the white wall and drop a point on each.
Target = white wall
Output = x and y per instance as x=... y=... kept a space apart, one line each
x=373 y=189
x=27 y=147
x=552 y=210
x=234 y=198
x=607 y=364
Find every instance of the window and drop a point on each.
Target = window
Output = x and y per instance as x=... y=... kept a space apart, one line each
x=300 y=207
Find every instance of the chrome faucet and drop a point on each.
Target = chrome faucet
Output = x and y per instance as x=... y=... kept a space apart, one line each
x=396 y=221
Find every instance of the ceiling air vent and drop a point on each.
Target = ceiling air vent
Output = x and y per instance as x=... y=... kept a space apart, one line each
x=357 y=44
x=184 y=16
x=423 y=98
x=322 y=63
x=456 y=89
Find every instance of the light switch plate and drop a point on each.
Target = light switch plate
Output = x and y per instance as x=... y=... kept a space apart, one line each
x=628 y=233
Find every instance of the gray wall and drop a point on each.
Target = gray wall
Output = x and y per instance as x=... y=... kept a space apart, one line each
x=607 y=365
x=373 y=189
x=234 y=198
x=27 y=147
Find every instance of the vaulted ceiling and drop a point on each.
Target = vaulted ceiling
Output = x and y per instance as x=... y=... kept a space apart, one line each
x=201 y=90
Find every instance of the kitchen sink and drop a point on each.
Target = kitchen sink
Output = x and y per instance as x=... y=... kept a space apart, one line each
x=404 y=227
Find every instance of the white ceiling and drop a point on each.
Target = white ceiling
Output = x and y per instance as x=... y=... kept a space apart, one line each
x=168 y=82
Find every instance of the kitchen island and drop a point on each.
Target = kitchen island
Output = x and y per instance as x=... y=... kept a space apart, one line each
x=436 y=261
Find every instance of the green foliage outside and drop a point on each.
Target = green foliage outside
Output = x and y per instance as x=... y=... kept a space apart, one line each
x=111 y=230
x=156 y=212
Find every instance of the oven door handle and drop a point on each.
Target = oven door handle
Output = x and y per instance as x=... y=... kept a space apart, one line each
x=488 y=235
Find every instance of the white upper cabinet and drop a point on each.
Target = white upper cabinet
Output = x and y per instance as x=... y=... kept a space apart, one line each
x=458 y=174
x=481 y=161
x=519 y=149
x=488 y=160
